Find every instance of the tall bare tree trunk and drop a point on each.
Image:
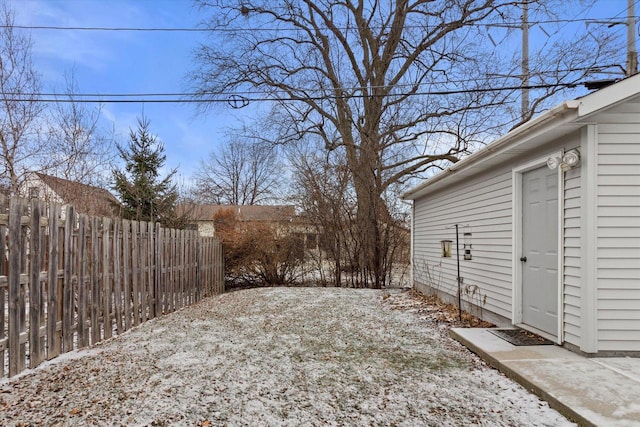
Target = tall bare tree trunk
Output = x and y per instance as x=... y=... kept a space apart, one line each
x=370 y=214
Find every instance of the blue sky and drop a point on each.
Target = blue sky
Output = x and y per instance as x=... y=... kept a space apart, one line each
x=149 y=62
x=128 y=62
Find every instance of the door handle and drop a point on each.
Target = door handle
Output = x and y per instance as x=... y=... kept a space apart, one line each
x=523 y=258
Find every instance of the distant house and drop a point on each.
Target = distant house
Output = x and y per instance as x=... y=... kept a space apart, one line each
x=87 y=199
x=548 y=220
x=200 y=217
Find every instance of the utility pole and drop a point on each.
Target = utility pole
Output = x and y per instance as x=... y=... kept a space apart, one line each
x=525 y=59
x=632 y=54
x=524 y=62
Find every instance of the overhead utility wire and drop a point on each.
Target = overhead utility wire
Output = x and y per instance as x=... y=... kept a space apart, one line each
x=34 y=97
x=488 y=77
x=167 y=29
x=223 y=30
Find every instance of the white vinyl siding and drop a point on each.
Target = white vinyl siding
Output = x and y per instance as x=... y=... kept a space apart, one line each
x=572 y=245
x=483 y=208
x=618 y=231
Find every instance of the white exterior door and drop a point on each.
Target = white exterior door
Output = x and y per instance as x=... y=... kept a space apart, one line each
x=539 y=256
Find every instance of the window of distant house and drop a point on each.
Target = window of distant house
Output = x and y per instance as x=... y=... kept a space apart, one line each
x=312 y=241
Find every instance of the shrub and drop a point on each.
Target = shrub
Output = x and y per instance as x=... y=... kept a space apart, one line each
x=257 y=251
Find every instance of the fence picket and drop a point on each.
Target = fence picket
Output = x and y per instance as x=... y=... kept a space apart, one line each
x=96 y=302
x=53 y=292
x=117 y=282
x=83 y=332
x=3 y=289
x=151 y=270
x=16 y=298
x=135 y=251
x=144 y=303
x=106 y=278
x=160 y=295
x=171 y=266
x=181 y=269
x=35 y=287
x=126 y=272
x=67 y=284
x=193 y=281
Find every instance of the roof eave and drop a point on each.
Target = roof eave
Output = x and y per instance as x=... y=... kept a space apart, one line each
x=609 y=96
x=548 y=120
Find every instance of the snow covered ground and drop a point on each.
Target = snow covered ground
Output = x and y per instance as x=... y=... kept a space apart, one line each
x=277 y=357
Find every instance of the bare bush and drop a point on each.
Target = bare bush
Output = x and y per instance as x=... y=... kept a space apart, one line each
x=258 y=252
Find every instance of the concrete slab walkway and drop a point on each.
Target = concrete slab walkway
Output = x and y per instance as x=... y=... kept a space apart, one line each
x=589 y=391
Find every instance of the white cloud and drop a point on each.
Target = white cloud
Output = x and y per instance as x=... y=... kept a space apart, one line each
x=91 y=49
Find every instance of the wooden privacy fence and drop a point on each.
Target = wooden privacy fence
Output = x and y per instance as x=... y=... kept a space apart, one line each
x=68 y=281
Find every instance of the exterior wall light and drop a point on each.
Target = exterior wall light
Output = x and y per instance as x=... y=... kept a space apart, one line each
x=445 y=246
x=570 y=159
x=553 y=162
x=467 y=246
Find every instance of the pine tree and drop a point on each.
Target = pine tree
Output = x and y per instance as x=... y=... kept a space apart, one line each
x=144 y=195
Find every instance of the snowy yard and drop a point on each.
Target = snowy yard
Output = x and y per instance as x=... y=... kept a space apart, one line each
x=272 y=357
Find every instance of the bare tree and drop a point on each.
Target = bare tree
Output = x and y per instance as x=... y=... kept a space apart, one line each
x=322 y=188
x=399 y=87
x=19 y=112
x=80 y=148
x=239 y=173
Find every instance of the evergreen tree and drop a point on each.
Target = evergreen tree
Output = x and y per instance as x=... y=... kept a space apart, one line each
x=144 y=195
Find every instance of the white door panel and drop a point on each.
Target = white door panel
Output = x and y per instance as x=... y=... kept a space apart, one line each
x=540 y=249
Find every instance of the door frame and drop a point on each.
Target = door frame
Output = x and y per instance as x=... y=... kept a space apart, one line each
x=516 y=175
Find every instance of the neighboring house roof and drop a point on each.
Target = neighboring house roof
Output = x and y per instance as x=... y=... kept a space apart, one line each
x=561 y=120
x=87 y=199
x=272 y=213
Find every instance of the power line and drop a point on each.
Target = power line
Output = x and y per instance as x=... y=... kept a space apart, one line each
x=34 y=97
x=70 y=97
x=226 y=30
x=150 y=29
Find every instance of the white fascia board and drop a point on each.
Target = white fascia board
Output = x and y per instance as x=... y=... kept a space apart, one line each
x=609 y=96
